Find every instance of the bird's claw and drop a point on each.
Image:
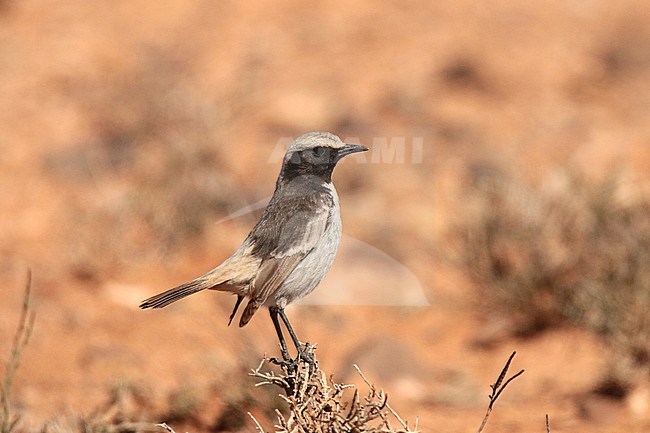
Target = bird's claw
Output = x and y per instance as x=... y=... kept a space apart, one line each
x=306 y=354
x=282 y=362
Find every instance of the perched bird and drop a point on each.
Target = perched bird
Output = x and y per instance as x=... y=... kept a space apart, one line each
x=292 y=246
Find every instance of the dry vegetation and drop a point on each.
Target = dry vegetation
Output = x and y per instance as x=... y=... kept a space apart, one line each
x=316 y=403
x=8 y=418
x=131 y=128
x=571 y=251
x=155 y=160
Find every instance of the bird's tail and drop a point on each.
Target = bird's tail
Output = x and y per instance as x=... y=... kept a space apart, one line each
x=172 y=295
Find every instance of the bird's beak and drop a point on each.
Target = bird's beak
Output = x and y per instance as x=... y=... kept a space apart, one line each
x=349 y=149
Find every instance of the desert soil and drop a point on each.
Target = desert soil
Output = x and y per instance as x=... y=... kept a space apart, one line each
x=132 y=130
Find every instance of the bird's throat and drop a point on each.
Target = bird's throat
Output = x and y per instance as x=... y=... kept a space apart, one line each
x=291 y=170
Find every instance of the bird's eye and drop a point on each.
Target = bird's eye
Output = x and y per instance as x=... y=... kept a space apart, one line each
x=319 y=151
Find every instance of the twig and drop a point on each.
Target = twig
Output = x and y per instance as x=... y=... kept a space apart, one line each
x=317 y=403
x=548 y=425
x=370 y=385
x=166 y=427
x=498 y=387
x=258 y=427
x=385 y=402
x=21 y=338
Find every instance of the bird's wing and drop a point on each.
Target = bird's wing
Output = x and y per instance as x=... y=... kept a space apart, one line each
x=287 y=232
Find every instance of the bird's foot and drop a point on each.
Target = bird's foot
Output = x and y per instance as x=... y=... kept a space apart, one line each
x=282 y=362
x=290 y=365
x=306 y=354
x=285 y=361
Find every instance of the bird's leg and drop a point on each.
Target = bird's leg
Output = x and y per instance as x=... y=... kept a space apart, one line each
x=283 y=345
x=285 y=319
x=234 y=310
x=303 y=352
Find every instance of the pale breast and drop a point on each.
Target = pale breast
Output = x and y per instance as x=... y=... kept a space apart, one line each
x=313 y=268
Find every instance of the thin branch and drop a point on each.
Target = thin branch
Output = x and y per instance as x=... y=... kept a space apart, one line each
x=496 y=396
x=258 y=427
x=497 y=388
x=21 y=338
x=502 y=375
x=318 y=404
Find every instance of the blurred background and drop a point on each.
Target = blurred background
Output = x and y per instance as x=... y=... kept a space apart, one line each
x=503 y=205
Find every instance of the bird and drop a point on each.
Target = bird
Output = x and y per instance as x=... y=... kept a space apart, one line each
x=290 y=249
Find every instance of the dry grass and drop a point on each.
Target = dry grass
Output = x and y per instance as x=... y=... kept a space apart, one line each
x=8 y=419
x=571 y=251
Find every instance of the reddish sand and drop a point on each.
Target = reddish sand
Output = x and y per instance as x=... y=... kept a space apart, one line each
x=130 y=128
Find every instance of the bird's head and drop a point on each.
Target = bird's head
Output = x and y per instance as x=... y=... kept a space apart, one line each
x=316 y=153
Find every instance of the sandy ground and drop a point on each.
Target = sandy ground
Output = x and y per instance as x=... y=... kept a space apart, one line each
x=132 y=130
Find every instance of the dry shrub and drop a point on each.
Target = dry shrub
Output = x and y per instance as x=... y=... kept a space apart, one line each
x=319 y=404
x=571 y=251
x=315 y=404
